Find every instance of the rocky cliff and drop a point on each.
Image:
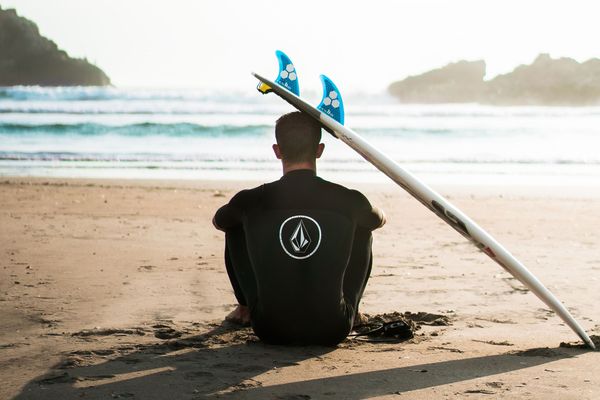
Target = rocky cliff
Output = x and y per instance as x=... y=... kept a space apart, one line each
x=460 y=82
x=28 y=58
x=546 y=81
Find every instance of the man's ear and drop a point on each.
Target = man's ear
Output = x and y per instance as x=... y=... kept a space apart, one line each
x=277 y=151
x=320 y=149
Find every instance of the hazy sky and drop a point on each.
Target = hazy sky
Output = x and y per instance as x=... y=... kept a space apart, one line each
x=361 y=45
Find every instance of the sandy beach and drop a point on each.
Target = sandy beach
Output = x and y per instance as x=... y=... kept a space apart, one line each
x=117 y=289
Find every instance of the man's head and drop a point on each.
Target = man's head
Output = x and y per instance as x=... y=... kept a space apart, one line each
x=298 y=138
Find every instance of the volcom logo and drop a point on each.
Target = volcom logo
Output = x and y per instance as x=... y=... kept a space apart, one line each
x=300 y=236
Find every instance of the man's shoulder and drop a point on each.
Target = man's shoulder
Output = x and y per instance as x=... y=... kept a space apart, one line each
x=257 y=192
x=246 y=195
x=347 y=193
x=366 y=215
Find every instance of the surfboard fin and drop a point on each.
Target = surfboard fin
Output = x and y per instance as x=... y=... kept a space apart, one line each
x=287 y=76
x=332 y=103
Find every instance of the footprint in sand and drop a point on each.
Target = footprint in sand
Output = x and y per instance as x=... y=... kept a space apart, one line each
x=164 y=333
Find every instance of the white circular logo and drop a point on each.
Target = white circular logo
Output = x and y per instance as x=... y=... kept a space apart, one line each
x=300 y=236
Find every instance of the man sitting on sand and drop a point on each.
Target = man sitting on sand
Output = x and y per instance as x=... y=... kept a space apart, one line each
x=298 y=250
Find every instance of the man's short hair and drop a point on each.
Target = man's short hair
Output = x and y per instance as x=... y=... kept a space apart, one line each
x=298 y=136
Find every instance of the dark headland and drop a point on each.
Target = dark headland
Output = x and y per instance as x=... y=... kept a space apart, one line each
x=547 y=81
x=28 y=58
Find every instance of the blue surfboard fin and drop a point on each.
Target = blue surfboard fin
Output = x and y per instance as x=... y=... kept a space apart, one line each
x=286 y=77
x=332 y=103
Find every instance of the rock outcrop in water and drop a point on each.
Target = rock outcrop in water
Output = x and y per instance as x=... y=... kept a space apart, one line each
x=460 y=82
x=547 y=81
x=28 y=58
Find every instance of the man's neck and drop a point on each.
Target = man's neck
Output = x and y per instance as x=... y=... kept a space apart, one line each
x=289 y=167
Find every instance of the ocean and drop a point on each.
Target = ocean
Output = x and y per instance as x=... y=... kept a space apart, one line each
x=207 y=134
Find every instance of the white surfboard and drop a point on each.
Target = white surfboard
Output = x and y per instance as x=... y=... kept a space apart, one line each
x=331 y=114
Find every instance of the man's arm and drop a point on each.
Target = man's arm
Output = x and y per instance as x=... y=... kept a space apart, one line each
x=368 y=216
x=230 y=215
x=226 y=217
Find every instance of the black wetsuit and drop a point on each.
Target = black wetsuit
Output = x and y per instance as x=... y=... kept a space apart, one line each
x=298 y=254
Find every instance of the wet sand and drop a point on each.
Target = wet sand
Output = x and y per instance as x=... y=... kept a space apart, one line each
x=117 y=289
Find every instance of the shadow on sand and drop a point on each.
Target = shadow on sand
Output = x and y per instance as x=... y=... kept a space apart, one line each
x=223 y=363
